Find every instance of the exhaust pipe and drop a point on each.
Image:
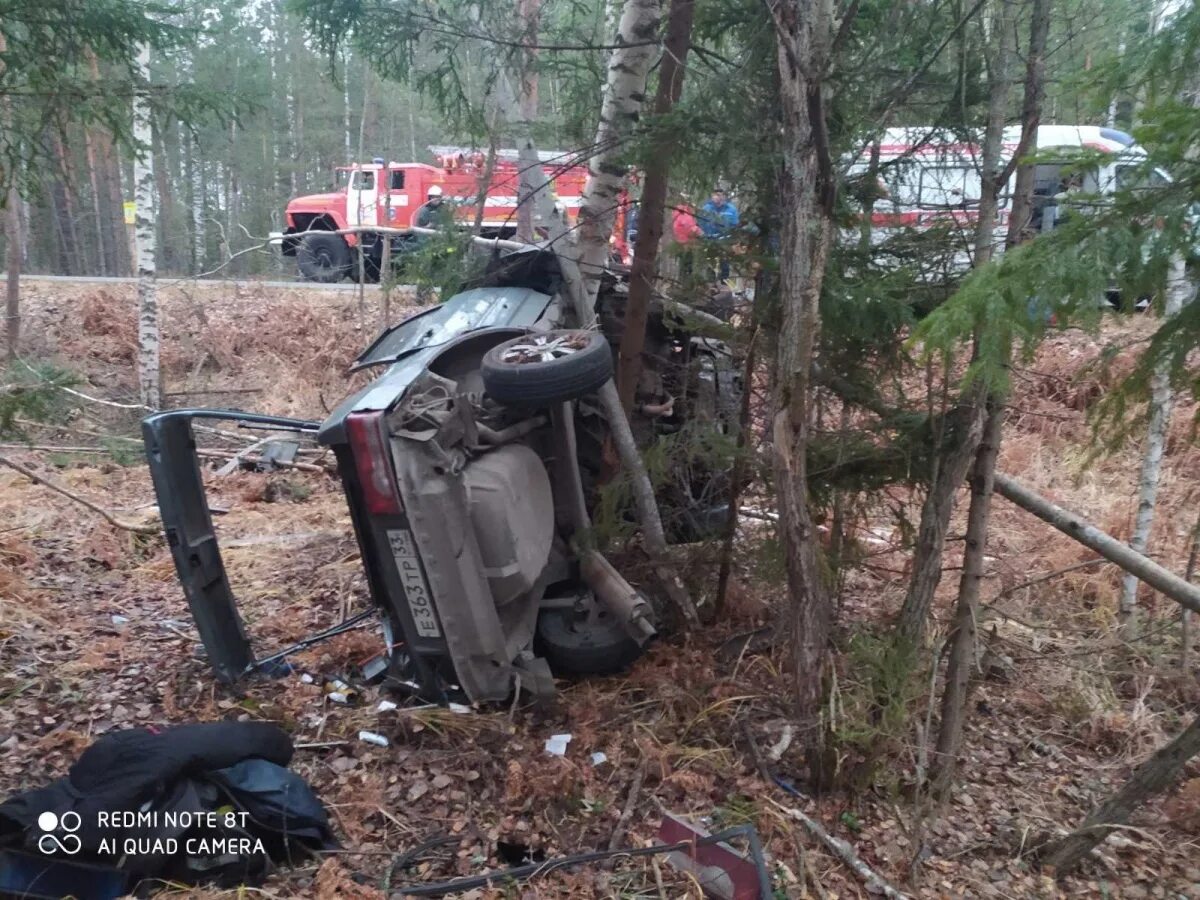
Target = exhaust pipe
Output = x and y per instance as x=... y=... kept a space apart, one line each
x=619 y=596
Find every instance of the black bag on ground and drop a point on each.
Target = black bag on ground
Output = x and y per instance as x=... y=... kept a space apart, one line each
x=195 y=803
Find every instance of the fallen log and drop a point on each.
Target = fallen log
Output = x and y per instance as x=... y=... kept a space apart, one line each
x=1162 y=580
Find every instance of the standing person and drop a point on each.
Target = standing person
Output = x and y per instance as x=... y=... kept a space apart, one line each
x=434 y=212
x=717 y=220
x=718 y=217
x=685 y=231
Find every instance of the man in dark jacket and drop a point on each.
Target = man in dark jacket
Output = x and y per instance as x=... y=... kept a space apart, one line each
x=434 y=212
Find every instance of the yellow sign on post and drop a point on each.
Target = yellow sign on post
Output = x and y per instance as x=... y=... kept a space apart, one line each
x=130 y=212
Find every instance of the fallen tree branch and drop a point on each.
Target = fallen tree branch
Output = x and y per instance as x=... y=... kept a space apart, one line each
x=82 y=501
x=872 y=880
x=1159 y=578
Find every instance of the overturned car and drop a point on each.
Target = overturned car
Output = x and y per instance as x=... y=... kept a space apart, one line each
x=470 y=467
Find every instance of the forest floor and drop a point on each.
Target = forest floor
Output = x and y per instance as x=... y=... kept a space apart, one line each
x=95 y=635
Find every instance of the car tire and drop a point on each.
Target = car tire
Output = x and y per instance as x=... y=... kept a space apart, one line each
x=323 y=257
x=572 y=646
x=543 y=368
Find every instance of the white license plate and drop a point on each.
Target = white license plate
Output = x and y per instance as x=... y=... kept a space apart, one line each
x=416 y=589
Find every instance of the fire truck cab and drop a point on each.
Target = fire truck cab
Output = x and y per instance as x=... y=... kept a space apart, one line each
x=388 y=195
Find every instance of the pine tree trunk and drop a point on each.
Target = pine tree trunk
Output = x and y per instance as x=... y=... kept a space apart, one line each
x=807 y=195
x=116 y=241
x=1152 y=777
x=102 y=252
x=149 y=387
x=963 y=639
x=165 y=210
x=951 y=468
x=651 y=220
x=1156 y=442
x=61 y=196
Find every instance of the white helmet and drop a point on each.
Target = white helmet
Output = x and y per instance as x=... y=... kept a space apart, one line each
x=434 y=191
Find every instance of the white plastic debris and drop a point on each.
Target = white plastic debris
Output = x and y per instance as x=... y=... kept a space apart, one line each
x=386 y=706
x=120 y=620
x=598 y=758
x=337 y=697
x=556 y=744
x=371 y=737
x=459 y=708
x=306 y=679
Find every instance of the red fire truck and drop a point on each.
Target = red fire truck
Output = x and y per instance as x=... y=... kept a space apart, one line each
x=376 y=194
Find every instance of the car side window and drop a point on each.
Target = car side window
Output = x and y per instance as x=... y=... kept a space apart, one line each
x=396 y=182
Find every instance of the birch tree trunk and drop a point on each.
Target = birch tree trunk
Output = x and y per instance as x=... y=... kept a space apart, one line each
x=12 y=239
x=149 y=387
x=583 y=261
x=624 y=90
x=807 y=194
x=1156 y=441
x=528 y=163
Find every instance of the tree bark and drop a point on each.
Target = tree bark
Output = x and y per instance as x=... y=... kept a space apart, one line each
x=624 y=89
x=583 y=262
x=149 y=386
x=963 y=638
x=528 y=162
x=651 y=219
x=807 y=196
x=1152 y=777
x=62 y=196
x=1162 y=580
x=12 y=240
x=119 y=262
x=1031 y=117
x=952 y=467
x=1185 y=638
x=1156 y=443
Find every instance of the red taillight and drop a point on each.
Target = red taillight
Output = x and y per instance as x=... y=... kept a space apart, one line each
x=369 y=446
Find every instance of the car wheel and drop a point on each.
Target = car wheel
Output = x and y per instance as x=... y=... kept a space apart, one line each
x=573 y=646
x=540 y=369
x=323 y=257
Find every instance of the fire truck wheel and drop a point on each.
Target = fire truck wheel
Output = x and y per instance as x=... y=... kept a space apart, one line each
x=323 y=257
x=540 y=369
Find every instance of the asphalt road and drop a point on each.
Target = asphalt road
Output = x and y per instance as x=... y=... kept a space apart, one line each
x=241 y=282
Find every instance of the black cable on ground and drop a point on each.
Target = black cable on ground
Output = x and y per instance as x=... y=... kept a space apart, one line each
x=519 y=873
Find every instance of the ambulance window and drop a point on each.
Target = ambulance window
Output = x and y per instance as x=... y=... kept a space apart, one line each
x=363 y=181
x=396 y=183
x=951 y=186
x=903 y=184
x=1134 y=177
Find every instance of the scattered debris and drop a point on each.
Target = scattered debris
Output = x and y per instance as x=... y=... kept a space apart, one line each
x=556 y=744
x=370 y=737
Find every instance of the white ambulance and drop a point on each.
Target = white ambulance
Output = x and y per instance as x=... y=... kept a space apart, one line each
x=932 y=177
